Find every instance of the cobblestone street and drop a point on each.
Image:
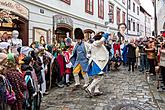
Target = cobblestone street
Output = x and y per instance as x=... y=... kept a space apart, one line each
x=122 y=91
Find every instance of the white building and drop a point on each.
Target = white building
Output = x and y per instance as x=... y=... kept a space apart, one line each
x=160 y=15
x=117 y=14
x=145 y=23
x=133 y=18
x=57 y=17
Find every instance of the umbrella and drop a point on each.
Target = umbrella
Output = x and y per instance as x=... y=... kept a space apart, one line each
x=25 y=50
x=4 y=45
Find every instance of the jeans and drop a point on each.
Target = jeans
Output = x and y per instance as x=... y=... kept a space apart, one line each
x=143 y=62
x=152 y=65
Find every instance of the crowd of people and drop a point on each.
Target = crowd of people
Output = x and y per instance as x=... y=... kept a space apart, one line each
x=27 y=73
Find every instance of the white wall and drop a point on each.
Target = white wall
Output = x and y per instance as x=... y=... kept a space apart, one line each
x=76 y=11
x=145 y=23
x=122 y=7
x=160 y=15
x=134 y=17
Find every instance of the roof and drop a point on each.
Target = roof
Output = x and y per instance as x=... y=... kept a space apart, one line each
x=144 y=11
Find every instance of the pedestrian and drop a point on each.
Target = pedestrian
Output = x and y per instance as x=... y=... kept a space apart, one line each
x=151 y=51
x=97 y=64
x=79 y=58
x=131 y=54
x=162 y=63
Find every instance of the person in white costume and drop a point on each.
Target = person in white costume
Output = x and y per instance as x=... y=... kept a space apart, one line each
x=15 y=42
x=97 y=64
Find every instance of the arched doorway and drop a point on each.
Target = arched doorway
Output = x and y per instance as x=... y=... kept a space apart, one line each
x=14 y=17
x=63 y=27
x=88 y=34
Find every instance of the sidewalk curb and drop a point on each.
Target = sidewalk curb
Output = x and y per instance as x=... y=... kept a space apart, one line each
x=154 y=99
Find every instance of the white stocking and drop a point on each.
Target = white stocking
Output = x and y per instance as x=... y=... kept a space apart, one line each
x=86 y=79
x=77 y=80
x=98 y=85
x=93 y=84
x=67 y=78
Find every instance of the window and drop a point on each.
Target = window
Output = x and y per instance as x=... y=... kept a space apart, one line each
x=118 y=16
x=111 y=13
x=129 y=25
x=137 y=27
x=133 y=7
x=129 y=4
x=133 y=26
x=123 y=14
x=101 y=9
x=66 y=1
x=89 y=6
x=123 y=1
x=137 y=10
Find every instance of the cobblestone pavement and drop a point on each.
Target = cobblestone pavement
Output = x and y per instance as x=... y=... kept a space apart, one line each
x=120 y=88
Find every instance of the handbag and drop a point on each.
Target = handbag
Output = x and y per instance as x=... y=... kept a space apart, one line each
x=10 y=94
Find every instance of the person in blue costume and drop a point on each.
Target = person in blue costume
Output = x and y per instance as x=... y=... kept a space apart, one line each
x=79 y=58
x=97 y=64
x=124 y=54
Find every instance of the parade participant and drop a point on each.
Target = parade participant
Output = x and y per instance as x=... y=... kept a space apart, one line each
x=121 y=34
x=151 y=49
x=79 y=58
x=43 y=70
x=15 y=42
x=162 y=63
x=131 y=54
x=16 y=80
x=67 y=54
x=97 y=63
x=31 y=82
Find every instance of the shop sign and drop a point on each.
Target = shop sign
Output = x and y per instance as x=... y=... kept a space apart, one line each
x=60 y=19
x=15 y=7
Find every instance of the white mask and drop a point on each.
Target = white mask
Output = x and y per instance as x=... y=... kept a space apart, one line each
x=15 y=34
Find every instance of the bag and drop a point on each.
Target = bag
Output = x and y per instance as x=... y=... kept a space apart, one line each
x=10 y=94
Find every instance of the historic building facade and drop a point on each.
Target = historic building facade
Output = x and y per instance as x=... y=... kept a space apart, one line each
x=145 y=23
x=55 y=18
x=160 y=15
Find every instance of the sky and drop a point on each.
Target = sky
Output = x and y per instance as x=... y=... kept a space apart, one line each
x=148 y=6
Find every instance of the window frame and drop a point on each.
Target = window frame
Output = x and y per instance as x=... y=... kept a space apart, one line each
x=123 y=16
x=113 y=10
x=123 y=2
x=129 y=4
x=129 y=24
x=118 y=9
x=86 y=5
x=133 y=7
x=67 y=1
x=137 y=10
x=133 y=26
x=99 y=9
x=138 y=28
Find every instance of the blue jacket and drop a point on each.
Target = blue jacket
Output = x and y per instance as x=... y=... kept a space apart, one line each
x=79 y=56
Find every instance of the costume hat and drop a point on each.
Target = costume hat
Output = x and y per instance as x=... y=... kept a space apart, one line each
x=78 y=33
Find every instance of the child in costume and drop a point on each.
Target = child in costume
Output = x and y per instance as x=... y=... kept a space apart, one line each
x=97 y=64
x=67 y=54
x=79 y=58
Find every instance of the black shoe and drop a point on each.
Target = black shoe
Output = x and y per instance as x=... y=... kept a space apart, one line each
x=129 y=69
x=88 y=92
x=68 y=84
x=98 y=93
